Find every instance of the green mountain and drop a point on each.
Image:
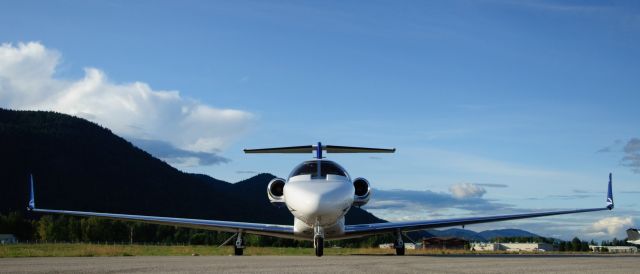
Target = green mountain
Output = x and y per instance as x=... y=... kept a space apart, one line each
x=484 y=236
x=506 y=233
x=78 y=165
x=466 y=234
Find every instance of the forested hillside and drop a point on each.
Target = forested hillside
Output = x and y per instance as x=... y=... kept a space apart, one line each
x=78 y=165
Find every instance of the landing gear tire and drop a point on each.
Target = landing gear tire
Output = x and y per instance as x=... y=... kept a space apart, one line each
x=400 y=251
x=238 y=251
x=319 y=244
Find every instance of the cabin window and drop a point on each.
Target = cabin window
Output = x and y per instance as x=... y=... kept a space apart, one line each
x=312 y=168
x=306 y=168
x=331 y=168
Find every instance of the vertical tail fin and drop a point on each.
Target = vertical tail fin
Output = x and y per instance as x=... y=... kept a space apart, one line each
x=610 y=195
x=32 y=199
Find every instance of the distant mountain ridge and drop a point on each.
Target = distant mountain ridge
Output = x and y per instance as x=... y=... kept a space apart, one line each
x=484 y=236
x=78 y=165
x=492 y=234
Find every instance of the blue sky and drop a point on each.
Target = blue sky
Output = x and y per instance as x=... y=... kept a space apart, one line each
x=525 y=104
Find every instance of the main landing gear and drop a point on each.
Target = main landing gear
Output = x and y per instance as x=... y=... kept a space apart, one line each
x=238 y=249
x=399 y=244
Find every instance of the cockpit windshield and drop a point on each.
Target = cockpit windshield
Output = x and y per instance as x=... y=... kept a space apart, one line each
x=325 y=168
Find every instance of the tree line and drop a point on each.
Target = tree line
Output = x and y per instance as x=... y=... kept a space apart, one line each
x=63 y=228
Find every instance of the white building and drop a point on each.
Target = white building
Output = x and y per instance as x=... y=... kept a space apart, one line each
x=484 y=246
x=7 y=239
x=512 y=247
x=614 y=249
x=406 y=245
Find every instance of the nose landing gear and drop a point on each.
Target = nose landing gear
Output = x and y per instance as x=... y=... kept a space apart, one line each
x=399 y=244
x=318 y=239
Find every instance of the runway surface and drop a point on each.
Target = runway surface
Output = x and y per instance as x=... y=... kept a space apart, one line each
x=327 y=264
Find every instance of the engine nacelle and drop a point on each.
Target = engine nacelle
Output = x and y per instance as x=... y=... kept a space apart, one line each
x=275 y=191
x=362 y=192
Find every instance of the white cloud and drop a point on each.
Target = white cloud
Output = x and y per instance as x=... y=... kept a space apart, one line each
x=467 y=190
x=405 y=205
x=477 y=164
x=132 y=110
x=610 y=226
x=632 y=155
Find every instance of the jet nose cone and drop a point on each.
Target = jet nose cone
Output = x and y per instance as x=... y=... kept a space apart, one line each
x=310 y=200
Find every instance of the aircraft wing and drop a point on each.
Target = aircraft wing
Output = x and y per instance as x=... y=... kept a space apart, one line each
x=381 y=228
x=283 y=231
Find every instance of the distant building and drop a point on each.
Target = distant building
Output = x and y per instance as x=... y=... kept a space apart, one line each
x=7 y=239
x=484 y=246
x=444 y=243
x=412 y=246
x=613 y=249
x=512 y=247
x=406 y=246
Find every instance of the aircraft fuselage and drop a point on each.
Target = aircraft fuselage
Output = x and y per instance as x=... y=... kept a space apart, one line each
x=318 y=193
x=319 y=203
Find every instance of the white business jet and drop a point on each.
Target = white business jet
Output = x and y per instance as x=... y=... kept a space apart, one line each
x=318 y=193
x=633 y=237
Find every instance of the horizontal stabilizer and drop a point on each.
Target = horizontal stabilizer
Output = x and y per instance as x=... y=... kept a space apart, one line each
x=327 y=148
x=343 y=149
x=297 y=149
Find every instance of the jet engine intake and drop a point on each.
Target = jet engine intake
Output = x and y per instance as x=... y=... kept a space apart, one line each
x=275 y=191
x=362 y=192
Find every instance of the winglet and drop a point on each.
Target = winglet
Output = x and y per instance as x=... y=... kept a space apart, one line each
x=610 y=195
x=32 y=199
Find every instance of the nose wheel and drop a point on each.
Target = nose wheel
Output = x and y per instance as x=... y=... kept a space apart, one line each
x=318 y=239
x=318 y=243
